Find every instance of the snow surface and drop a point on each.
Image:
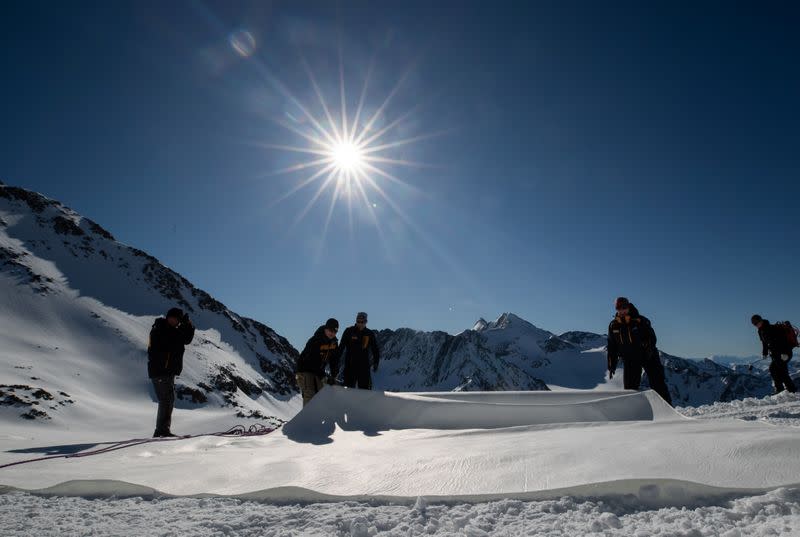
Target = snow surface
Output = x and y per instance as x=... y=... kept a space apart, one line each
x=640 y=507
x=355 y=444
x=773 y=513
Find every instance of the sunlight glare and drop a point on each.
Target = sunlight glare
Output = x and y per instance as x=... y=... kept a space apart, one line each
x=350 y=150
x=347 y=156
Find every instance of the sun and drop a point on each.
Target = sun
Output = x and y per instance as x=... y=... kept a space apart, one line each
x=349 y=153
x=348 y=157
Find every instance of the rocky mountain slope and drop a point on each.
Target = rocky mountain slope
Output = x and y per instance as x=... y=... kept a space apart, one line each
x=77 y=303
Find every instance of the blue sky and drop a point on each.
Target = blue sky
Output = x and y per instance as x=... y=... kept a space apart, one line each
x=581 y=152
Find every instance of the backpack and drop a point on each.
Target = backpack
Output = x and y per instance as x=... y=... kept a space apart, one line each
x=790 y=333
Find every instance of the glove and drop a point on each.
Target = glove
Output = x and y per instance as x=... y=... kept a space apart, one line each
x=331 y=381
x=185 y=319
x=612 y=366
x=785 y=357
x=374 y=367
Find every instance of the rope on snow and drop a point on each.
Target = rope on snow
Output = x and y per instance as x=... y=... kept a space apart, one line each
x=256 y=429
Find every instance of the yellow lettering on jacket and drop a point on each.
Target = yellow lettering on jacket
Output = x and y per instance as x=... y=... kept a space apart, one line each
x=325 y=350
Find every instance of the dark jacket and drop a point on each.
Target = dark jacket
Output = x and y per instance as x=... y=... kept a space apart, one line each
x=630 y=338
x=773 y=340
x=165 y=351
x=319 y=351
x=358 y=344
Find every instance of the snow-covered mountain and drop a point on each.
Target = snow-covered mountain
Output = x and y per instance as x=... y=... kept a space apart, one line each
x=512 y=354
x=739 y=361
x=76 y=314
x=506 y=354
x=703 y=382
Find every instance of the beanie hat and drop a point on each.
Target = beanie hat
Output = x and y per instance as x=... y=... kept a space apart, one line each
x=332 y=324
x=361 y=316
x=175 y=312
x=755 y=319
x=621 y=302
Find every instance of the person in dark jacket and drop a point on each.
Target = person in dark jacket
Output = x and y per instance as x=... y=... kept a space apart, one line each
x=358 y=342
x=168 y=337
x=632 y=338
x=320 y=350
x=775 y=344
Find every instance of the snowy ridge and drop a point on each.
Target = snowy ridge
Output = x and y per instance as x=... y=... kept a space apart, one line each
x=77 y=311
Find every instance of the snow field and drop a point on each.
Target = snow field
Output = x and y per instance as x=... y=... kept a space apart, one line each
x=781 y=409
x=774 y=513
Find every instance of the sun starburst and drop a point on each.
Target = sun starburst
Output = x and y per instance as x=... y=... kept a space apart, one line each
x=349 y=156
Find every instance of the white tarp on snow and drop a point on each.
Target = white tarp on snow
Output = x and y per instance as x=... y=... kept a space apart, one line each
x=355 y=443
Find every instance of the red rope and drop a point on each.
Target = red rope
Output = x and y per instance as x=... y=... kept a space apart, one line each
x=235 y=431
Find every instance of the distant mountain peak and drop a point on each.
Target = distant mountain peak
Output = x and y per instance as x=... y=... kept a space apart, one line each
x=506 y=320
x=480 y=325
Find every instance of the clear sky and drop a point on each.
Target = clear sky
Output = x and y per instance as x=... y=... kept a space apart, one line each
x=564 y=153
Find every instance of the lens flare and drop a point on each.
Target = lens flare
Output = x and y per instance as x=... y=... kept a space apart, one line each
x=243 y=43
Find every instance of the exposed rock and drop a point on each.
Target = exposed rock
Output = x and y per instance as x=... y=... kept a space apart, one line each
x=555 y=344
x=186 y=393
x=36 y=202
x=65 y=226
x=33 y=414
x=21 y=395
x=98 y=230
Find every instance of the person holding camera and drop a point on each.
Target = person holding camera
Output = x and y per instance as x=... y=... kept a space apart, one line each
x=168 y=339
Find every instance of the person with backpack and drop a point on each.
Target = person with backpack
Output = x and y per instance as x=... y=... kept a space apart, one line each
x=358 y=342
x=777 y=341
x=631 y=337
x=168 y=339
x=321 y=349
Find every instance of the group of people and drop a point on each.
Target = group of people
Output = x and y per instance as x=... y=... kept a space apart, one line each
x=170 y=335
x=631 y=338
x=324 y=351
